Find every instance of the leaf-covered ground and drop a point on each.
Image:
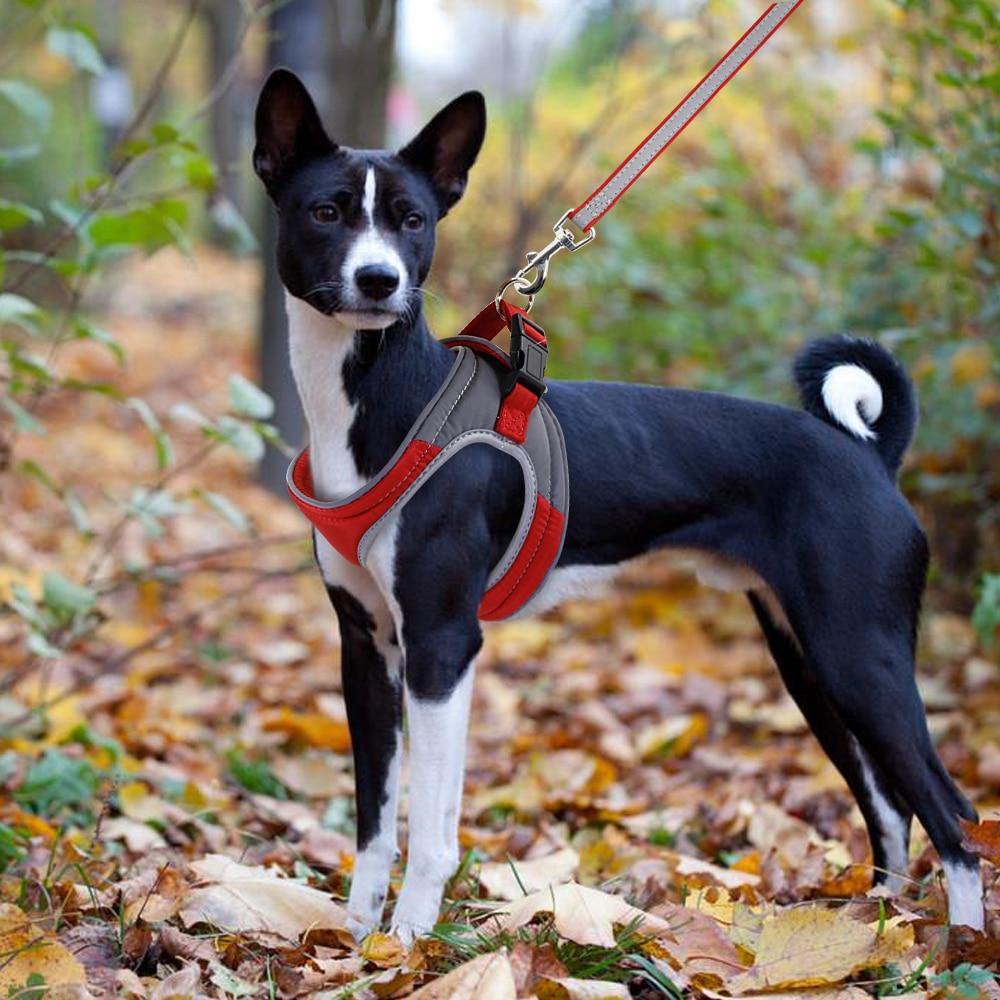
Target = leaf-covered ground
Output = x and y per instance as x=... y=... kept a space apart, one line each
x=643 y=802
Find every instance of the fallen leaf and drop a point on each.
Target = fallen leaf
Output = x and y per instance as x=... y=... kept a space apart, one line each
x=687 y=865
x=586 y=916
x=26 y=951
x=531 y=962
x=181 y=985
x=983 y=838
x=237 y=897
x=138 y=837
x=384 y=950
x=313 y=728
x=699 y=944
x=488 y=977
x=808 y=946
x=512 y=880
x=580 y=989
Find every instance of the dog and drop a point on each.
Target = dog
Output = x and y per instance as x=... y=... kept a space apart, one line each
x=798 y=508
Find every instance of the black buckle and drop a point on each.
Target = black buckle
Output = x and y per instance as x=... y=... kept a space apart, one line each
x=527 y=357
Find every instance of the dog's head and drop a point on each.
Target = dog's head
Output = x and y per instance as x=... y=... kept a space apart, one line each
x=356 y=227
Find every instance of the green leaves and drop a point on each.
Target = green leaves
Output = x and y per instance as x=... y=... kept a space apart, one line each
x=164 y=448
x=66 y=600
x=148 y=227
x=78 y=47
x=16 y=310
x=248 y=400
x=35 y=112
x=14 y=214
x=56 y=783
x=65 y=611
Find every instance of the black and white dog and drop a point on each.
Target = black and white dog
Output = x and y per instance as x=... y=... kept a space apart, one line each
x=798 y=509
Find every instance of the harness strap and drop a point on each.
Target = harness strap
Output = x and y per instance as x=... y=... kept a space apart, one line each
x=491 y=402
x=520 y=397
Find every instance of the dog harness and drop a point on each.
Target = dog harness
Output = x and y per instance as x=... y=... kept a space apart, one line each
x=489 y=397
x=494 y=398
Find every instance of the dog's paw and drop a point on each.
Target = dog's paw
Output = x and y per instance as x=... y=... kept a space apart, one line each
x=408 y=933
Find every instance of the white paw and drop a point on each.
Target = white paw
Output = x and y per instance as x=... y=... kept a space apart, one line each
x=407 y=933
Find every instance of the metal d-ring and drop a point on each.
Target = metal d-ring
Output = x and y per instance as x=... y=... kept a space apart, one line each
x=538 y=262
x=512 y=282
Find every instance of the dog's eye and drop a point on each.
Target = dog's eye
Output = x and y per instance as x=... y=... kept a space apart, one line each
x=413 y=221
x=326 y=212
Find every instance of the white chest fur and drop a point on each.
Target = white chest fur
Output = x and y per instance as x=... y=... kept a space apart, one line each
x=319 y=345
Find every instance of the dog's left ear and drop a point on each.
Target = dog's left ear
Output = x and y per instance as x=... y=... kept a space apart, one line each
x=448 y=145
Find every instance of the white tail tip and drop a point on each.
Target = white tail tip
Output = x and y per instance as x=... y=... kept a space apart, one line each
x=854 y=399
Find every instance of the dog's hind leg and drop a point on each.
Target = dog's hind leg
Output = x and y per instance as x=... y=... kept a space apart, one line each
x=371 y=676
x=886 y=815
x=866 y=672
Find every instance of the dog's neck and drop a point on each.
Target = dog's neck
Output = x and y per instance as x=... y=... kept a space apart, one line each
x=361 y=391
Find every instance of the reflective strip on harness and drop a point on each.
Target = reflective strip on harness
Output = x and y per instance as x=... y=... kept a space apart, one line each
x=477 y=404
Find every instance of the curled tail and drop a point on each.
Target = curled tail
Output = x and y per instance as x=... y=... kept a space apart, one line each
x=859 y=387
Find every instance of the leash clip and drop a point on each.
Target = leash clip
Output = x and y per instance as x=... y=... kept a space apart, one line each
x=539 y=260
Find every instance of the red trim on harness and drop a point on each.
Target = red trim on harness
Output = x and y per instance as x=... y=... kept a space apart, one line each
x=488 y=323
x=515 y=412
x=539 y=552
x=344 y=527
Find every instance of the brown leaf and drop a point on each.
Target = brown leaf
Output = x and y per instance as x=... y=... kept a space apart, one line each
x=586 y=916
x=983 y=838
x=498 y=878
x=698 y=943
x=237 y=897
x=531 y=962
x=487 y=977
x=181 y=985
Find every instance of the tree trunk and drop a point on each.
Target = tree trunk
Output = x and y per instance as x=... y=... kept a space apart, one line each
x=229 y=113
x=343 y=52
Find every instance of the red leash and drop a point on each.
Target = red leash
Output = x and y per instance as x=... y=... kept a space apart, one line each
x=530 y=279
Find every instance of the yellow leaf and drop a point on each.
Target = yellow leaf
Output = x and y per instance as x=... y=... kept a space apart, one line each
x=674 y=737
x=499 y=880
x=586 y=916
x=971 y=363
x=384 y=950
x=807 y=946
x=237 y=897
x=314 y=728
x=488 y=977
x=26 y=951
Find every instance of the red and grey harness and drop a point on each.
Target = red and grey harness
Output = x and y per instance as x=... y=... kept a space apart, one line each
x=494 y=398
x=486 y=399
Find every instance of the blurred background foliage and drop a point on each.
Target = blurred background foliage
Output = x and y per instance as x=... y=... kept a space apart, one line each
x=846 y=181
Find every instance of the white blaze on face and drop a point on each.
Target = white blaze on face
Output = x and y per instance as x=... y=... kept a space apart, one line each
x=372 y=246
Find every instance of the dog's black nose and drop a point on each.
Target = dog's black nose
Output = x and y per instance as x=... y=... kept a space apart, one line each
x=377 y=281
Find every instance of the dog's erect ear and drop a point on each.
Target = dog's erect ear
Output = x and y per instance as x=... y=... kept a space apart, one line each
x=448 y=145
x=288 y=128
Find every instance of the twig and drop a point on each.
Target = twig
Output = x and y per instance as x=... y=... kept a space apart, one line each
x=114 y=534
x=117 y=663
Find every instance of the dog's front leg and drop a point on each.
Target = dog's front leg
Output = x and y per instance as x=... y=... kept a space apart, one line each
x=371 y=677
x=438 y=730
x=433 y=584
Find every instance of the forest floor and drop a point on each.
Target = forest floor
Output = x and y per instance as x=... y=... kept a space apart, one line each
x=175 y=797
